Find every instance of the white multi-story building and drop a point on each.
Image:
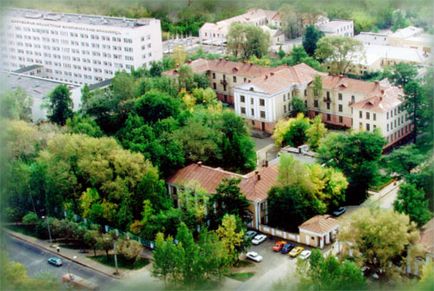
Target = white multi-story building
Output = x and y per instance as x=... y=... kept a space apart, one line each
x=81 y=49
x=337 y=28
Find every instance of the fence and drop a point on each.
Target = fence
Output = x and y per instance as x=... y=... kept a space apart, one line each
x=279 y=233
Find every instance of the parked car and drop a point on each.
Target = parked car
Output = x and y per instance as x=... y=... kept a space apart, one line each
x=55 y=261
x=260 y=238
x=304 y=254
x=286 y=248
x=339 y=211
x=296 y=251
x=250 y=234
x=279 y=245
x=254 y=256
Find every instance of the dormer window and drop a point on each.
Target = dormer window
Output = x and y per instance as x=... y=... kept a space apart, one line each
x=252 y=89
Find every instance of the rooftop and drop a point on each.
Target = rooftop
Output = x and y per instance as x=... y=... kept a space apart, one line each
x=319 y=224
x=254 y=185
x=409 y=31
x=373 y=53
x=78 y=18
x=332 y=25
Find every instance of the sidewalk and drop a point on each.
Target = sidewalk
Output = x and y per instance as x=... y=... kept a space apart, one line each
x=81 y=259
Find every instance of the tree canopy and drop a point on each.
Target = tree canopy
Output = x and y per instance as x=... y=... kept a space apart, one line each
x=245 y=40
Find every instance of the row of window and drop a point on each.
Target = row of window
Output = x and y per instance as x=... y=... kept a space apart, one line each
x=400 y=133
x=396 y=123
x=368 y=115
x=252 y=112
x=395 y=111
x=243 y=100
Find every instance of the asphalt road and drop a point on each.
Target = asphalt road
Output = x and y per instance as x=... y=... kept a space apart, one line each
x=35 y=260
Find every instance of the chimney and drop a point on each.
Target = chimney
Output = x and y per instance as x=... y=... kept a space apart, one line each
x=199 y=163
x=257 y=175
x=271 y=74
x=266 y=77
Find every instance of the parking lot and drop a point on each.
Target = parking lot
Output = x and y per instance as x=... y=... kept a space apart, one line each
x=273 y=268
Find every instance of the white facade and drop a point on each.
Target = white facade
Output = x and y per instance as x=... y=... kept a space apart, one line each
x=81 y=49
x=372 y=38
x=338 y=28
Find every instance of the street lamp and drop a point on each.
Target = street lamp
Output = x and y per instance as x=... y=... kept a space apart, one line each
x=49 y=231
x=69 y=267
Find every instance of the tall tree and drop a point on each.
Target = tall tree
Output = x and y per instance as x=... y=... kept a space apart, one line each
x=297 y=106
x=16 y=104
x=59 y=105
x=401 y=74
x=316 y=132
x=339 y=52
x=232 y=237
x=376 y=236
x=414 y=102
x=310 y=38
x=412 y=201
x=246 y=40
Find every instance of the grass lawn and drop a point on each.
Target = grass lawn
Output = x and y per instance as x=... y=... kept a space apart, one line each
x=243 y=263
x=244 y=276
x=122 y=263
x=382 y=182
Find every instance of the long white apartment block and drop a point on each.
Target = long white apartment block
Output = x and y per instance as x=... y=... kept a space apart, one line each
x=81 y=49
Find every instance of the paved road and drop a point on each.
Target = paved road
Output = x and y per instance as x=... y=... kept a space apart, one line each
x=35 y=260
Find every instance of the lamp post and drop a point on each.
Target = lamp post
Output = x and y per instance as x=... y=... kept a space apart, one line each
x=49 y=231
x=69 y=267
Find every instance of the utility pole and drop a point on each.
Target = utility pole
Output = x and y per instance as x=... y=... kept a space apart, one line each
x=49 y=231
x=115 y=251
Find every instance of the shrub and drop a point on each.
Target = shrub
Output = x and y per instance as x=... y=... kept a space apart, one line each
x=30 y=218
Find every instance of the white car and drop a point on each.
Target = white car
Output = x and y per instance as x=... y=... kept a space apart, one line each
x=304 y=254
x=260 y=238
x=254 y=256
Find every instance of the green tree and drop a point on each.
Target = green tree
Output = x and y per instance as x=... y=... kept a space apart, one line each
x=376 y=236
x=399 y=20
x=338 y=51
x=83 y=124
x=317 y=86
x=232 y=237
x=316 y=132
x=412 y=201
x=156 y=69
x=59 y=105
x=401 y=161
x=30 y=218
x=16 y=104
x=166 y=257
x=328 y=273
x=155 y=105
x=228 y=199
x=296 y=135
x=291 y=25
x=246 y=40
x=357 y=155
x=90 y=238
x=414 y=102
x=179 y=55
x=310 y=38
x=401 y=74
x=297 y=106
x=129 y=249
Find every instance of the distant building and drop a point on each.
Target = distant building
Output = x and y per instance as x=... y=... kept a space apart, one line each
x=412 y=37
x=268 y=20
x=76 y=48
x=337 y=28
x=372 y=38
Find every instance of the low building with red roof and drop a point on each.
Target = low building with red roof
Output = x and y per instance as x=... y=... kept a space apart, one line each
x=318 y=231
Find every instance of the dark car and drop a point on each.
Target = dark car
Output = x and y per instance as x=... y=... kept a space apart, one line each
x=55 y=261
x=339 y=211
x=287 y=248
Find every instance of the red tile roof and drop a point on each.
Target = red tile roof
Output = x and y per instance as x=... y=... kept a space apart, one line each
x=254 y=185
x=319 y=224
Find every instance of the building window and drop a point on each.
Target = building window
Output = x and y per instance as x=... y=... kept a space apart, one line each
x=375 y=126
x=340 y=96
x=374 y=116
x=261 y=102
x=360 y=114
x=340 y=107
x=284 y=108
x=251 y=101
x=214 y=85
x=242 y=98
x=328 y=95
x=224 y=87
x=234 y=78
x=353 y=99
x=368 y=127
x=328 y=106
x=262 y=114
x=213 y=75
x=252 y=111
x=329 y=117
x=243 y=110
x=367 y=115
x=315 y=103
x=388 y=127
x=224 y=77
x=341 y=120
x=305 y=92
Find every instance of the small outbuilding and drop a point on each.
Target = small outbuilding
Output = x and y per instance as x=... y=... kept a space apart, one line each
x=318 y=231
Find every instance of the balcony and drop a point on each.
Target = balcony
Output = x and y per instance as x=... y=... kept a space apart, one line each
x=327 y=100
x=223 y=82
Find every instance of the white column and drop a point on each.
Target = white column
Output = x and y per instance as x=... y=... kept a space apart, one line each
x=321 y=243
x=328 y=238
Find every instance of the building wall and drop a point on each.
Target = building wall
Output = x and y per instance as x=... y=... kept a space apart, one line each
x=78 y=52
x=224 y=84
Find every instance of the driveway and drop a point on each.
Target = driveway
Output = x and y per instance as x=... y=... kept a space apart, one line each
x=273 y=268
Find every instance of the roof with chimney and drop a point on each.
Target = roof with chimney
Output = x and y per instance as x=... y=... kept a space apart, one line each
x=319 y=224
x=223 y=66
x=254 y=185
x=276 y=81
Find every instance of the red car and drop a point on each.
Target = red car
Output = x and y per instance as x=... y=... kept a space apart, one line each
x=278 y=245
